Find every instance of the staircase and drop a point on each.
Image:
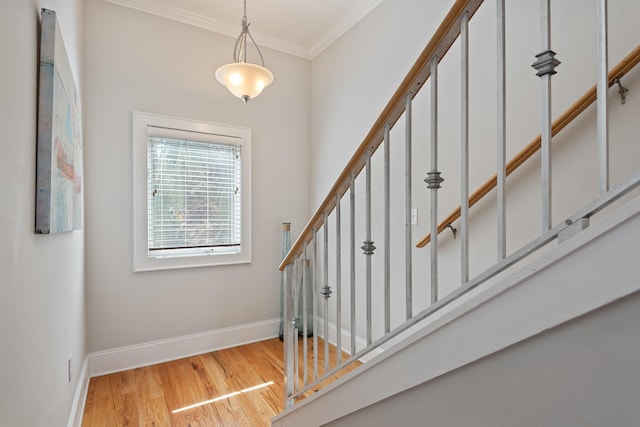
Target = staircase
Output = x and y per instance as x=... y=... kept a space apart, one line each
x=427 y=313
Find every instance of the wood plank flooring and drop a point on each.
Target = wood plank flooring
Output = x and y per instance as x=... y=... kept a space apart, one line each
x=211 y=389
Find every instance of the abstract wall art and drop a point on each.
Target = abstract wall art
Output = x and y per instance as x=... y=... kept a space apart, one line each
x=59 y=136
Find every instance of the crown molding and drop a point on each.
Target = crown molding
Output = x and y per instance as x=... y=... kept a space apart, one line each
x=354 y=14
x=201 y=21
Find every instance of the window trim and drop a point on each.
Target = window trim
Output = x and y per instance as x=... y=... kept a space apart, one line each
x=141 y=259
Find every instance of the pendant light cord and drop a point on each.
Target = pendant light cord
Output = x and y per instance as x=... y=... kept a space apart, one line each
x=240 y=49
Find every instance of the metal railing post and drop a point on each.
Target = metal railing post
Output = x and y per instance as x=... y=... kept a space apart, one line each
x=326 y=291
x=315 y=304
x=434 y=180
x=545 y=67
x=408 y=206
x=387 y=230
x=602 y=85
x=501 y=174
x=338 y=282
x=464 y=149
x=368 y=247
x=295 y=322
x=352 y=258
x=288 y=332
x=305 y=357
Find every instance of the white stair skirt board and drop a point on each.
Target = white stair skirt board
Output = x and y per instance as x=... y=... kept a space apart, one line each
x=135 y=356
x=591 y=270
x=346 y=341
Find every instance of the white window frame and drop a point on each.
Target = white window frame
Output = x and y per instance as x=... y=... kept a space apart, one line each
x=142 y=260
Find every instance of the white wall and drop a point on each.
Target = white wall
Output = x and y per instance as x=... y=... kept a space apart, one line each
x=354 y=78
x=42 y=318
x=137 y=61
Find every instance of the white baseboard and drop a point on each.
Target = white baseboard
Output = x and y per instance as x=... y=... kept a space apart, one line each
x=80 y=396
x=135 y=356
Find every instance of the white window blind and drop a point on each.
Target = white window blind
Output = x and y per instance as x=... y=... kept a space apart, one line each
x=194 y=195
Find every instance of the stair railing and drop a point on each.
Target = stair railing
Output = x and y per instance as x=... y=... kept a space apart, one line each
x=586 y=100
x=317 y=257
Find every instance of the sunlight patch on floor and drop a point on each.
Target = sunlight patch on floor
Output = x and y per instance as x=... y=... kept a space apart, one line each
x=226 y=396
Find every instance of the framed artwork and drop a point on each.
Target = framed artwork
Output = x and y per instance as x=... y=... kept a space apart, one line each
x=59 y=139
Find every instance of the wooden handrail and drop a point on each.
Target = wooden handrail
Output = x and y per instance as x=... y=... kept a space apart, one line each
x=623 y=67
x=438 y=45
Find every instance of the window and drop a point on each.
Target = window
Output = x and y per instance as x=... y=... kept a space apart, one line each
x=191 y=193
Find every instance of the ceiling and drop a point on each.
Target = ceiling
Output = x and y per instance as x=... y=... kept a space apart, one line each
x=300 y=27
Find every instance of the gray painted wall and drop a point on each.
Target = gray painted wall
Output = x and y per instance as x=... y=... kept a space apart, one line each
x=138 y=61
x=42 y=317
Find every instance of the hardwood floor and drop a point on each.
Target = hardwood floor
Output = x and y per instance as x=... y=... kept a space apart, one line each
x=211 y=389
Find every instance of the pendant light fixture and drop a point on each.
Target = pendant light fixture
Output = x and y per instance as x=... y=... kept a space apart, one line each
x=243 y=79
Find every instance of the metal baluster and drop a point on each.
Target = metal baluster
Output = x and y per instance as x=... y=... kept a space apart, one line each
x=368 y=246
x=601 y=100
x=352 y=263
x=387 y=232
x=545 y=67
x=501 y=134
x=315 y=304
x=408 y=206
x=464 y=148
x=338 y=283
x=305 y=266
x=295 y=323
x=326 y=291
x=434 y=180
x=286 y=246
x=288 y=332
